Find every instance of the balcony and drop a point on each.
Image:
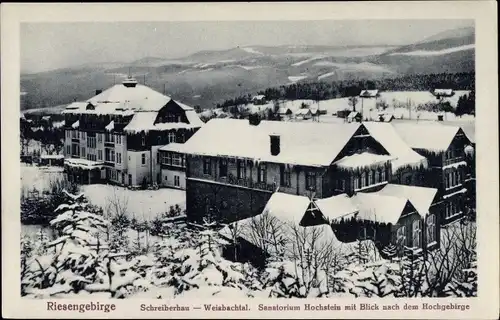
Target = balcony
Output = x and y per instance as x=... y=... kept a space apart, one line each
x=246 y=183
x=453 y=160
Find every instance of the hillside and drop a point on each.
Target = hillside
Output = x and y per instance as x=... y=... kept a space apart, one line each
x=206 y=78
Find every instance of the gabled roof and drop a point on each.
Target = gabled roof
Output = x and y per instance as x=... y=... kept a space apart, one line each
x=389 y=138
x=303 y=111
x=421 y=198
x=337 y=207
x=368 y=93
x=145 y=121
x=286 y=207
x=353 y=114
x=312 y=144
x=428 y=136
x=379 y=208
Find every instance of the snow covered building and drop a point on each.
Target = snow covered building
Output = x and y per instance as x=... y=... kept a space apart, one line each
x=445 y=93
x=259 y=99
x=369 y=93
x=445 y=148
x=116 y=135
x=233 y=166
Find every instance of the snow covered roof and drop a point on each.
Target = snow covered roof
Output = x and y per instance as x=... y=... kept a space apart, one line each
x=46 y=118
x=58 y=124
x=283 y=110
x=76 y=124
x=429 y=136
x=259 y=97
x=173 y=147
x=379 y=208
x=83 y=163
x=287 y=207
x=52 y=156
x=110 y=126
x=352 y=114
x=145 y=121
x=443 y=92
x=389 y=138
x=362 y=160
x=336 y=207
x=193 y=118
x=368 y=93
x=312 y=144
x=421 y=198
x=303 y=111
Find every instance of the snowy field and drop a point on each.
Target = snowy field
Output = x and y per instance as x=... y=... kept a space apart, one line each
x=39 y=177
x=141 y=204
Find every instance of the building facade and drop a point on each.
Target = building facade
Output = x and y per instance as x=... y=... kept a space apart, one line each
x=115 y=136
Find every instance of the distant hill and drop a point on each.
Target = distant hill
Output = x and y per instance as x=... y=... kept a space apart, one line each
x=206 y=78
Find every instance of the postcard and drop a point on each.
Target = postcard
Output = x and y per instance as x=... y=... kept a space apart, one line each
x=250 y=160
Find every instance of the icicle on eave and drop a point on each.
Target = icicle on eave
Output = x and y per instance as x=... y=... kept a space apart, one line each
x=373 y=166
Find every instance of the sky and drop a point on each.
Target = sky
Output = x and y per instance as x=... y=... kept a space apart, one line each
x=47 y=46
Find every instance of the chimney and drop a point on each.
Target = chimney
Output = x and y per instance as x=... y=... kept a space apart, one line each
x=98 y=91
x=254 y=119
x=275 y=144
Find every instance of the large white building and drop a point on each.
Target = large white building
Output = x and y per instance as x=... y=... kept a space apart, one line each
x=115 y=136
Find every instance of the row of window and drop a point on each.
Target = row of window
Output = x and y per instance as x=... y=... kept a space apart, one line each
x=241 y=173
x=172 y=159
x=453 y=178
x=75 y=134
x=402 y=240
x=453 y=153
x=369 y=178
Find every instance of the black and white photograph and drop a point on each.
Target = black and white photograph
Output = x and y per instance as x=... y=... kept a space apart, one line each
x=277 y=159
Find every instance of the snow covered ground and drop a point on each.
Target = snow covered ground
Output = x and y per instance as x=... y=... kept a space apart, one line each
x=143 y=204
x=39 y=177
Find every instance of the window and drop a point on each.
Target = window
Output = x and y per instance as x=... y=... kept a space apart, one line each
x=68 y=150
x=68 y=134
x=118 y=139
x=171 y=137
x=207 y=168
x=99 y=155
x=408 y=180
x=285 y=176
x=431 y=228
x=176 y=181
x=73 y=134
x=223 y=168
x=356 y=183
x=401 y=236
x=88 y=156
x=83 y=152
x=176 y=160
x=341 y=184
x=118 y=157
x=99 y=137
x=311 y=181
x=363 y=179
x=84 y=135
x=262 y=177
x=143 y=159
x=370 y=178
x=375 y=177
x=166 y=158
x=143 y=140
x=416 y=234
x=382 y=175
x=241 y=169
